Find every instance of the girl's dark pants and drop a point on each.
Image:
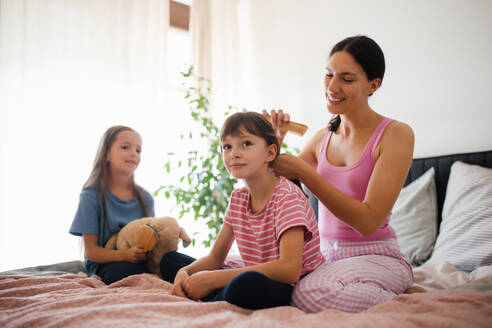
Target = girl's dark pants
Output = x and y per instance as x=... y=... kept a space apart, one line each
x=250 y=289
x=114 y=271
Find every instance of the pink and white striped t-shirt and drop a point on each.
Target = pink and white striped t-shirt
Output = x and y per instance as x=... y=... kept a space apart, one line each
x=258 y=234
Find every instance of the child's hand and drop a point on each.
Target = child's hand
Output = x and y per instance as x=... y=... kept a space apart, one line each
x=199 y=284
x=181 y=276
x=135 y=255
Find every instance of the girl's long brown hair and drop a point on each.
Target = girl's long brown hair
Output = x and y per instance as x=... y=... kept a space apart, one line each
x=100 y=171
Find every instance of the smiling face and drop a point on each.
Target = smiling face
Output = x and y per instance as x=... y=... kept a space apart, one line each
x=124 y=154
x=346 y=84
x=246 y=155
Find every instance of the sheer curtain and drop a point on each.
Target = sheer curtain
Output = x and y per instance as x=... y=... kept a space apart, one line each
x=216 y=45
x=69 y=70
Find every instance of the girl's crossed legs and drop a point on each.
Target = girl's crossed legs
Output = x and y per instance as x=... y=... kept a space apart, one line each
x=250 y=289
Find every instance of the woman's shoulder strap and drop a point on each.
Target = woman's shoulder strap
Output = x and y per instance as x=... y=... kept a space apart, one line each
x=379 y=131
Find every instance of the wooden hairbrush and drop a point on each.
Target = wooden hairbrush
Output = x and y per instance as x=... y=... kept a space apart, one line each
x=294 y=127
x=147 y=237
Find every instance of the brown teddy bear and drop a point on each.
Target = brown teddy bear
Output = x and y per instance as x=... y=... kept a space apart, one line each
x=157 y=235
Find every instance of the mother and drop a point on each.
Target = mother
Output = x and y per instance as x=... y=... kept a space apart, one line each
x=356 y=167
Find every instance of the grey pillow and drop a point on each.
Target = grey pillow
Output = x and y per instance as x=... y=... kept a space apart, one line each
x=465 y=236
x=414 y=218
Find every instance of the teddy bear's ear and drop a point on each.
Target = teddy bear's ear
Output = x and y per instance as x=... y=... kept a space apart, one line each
x=147 y=237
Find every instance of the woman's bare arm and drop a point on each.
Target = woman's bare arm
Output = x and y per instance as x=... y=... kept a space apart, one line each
x=393 y=162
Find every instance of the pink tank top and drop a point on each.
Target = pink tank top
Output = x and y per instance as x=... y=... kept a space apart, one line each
x=351 y=180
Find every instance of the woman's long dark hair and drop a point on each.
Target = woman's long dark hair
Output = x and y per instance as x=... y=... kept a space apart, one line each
x=368 y=55
x=100 y=171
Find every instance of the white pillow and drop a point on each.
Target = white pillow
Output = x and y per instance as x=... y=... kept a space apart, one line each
x=414 y=218
x=465 y=236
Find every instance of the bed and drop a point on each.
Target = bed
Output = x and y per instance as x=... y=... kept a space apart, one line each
x=457 y=294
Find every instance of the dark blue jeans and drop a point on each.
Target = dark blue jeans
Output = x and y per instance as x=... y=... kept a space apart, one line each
x=114 y=271
x=250 y=289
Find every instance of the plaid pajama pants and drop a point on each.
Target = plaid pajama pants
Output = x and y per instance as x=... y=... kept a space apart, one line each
x=356 y=276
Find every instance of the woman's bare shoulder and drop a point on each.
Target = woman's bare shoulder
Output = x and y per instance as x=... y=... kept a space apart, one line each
x=319 y=135
x=310 y=151
x=398 y=138
x=315 y=142
x=400 y=131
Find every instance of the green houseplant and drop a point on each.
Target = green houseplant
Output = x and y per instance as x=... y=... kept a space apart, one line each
x=206 y=186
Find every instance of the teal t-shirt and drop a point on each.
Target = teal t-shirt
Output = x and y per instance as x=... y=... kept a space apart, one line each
x=89 y=216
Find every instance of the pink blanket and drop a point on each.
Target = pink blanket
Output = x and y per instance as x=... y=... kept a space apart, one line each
x=145 y=300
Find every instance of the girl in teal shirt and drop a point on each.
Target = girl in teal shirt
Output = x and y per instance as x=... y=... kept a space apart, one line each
x=109 y=200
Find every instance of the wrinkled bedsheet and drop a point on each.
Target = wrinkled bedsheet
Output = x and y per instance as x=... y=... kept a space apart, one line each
x=75 y=300
x=446 y=276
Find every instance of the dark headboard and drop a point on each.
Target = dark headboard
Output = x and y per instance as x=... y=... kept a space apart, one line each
x=442 y=165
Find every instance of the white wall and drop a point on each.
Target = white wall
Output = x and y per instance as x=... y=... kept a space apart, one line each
x=438 y=80
x=438 y=57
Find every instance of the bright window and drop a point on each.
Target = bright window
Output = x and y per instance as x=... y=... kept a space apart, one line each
x=66 y=75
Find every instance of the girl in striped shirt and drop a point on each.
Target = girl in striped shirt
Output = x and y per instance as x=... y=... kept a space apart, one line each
x=270 y=219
